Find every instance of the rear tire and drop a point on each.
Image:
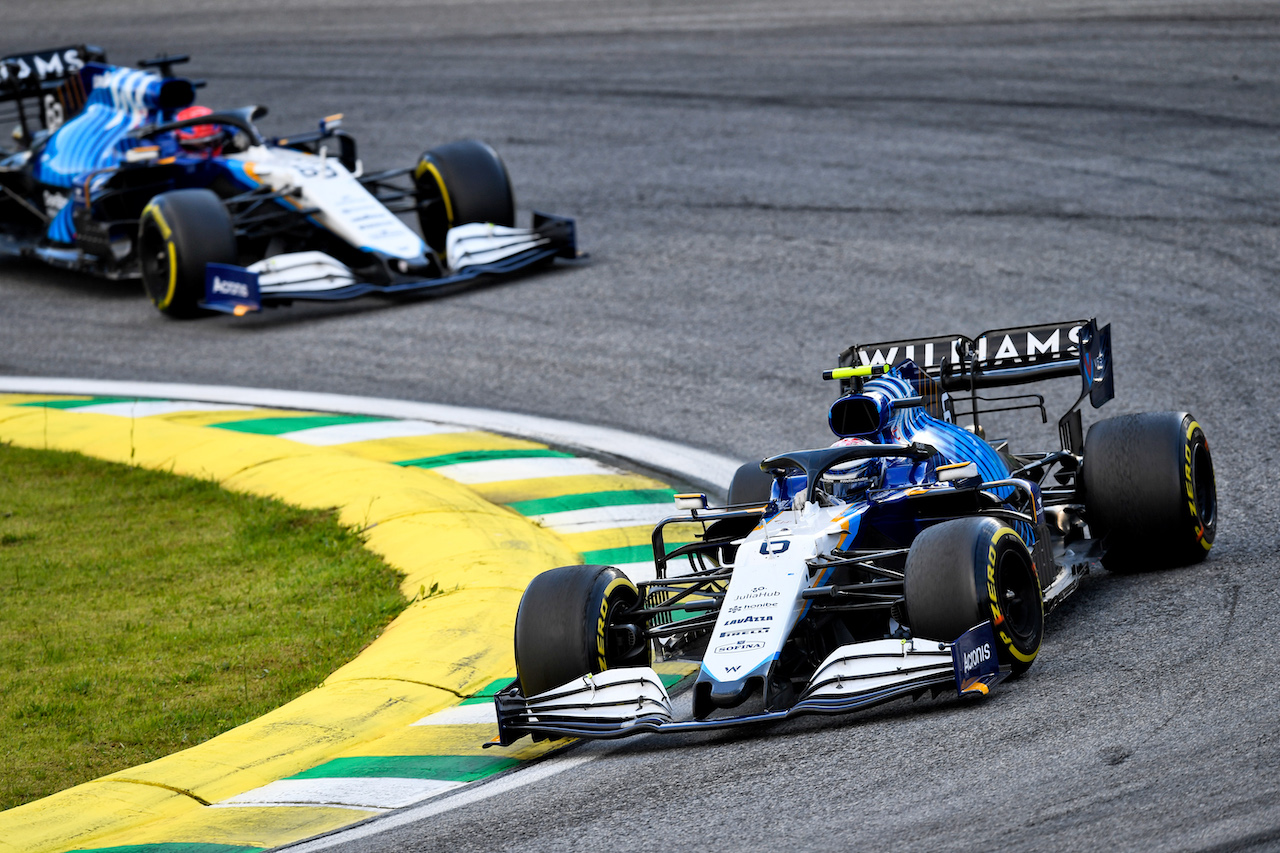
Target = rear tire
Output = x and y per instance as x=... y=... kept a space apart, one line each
x=178 y=233
x=970 y=570
x=464 y=181
x=565 y=627
x=1150 y=494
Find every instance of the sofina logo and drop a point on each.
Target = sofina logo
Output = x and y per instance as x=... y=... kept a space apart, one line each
x=738 y=647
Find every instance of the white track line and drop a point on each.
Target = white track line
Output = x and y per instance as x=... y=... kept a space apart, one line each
x=530 y=468
x=605 y=517
x=328 y=436
x=466 y=714
x=698 y=466
x=147 y=408
x=471 y=794
x=361 y=792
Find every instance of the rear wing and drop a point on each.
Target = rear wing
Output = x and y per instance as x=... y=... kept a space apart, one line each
x=41 y=90
x=953 y=365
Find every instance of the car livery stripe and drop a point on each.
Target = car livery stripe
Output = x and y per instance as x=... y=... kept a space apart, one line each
x=273 y=781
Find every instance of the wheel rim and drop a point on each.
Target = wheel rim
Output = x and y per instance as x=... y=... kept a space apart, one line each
x=615 y=655
x=1019 y=597
x=1206 y=493
x=153 y=260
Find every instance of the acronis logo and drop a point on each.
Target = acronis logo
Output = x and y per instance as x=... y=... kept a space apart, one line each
x=973 y=659
x=230 y=288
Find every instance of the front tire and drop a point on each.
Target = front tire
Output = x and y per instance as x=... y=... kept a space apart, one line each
x=178 y=233
x=458 y=183
x=1150 y=493
x=571 y=622
x=970 y=570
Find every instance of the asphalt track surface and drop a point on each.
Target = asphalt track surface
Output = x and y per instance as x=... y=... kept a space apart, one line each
x=760 y=184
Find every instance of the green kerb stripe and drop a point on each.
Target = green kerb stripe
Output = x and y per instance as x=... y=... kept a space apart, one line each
x=277 y=426
x=627 y=554
x=613 y=556
x=487 y=694
x=568 y=503
x=174 y=847
x=76 y=404
x=481 y=456
x=447 y=768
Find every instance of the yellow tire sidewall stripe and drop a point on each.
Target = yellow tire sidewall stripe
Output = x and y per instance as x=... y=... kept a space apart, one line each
x=427 y=165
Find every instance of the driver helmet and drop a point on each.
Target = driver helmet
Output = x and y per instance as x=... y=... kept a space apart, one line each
x=201 y=137
x=849 y=477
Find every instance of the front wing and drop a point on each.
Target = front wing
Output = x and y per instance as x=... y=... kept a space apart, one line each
x=632 y=700
x=240 y=290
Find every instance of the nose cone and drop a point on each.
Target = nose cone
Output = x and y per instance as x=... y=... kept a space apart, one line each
x=710 y=694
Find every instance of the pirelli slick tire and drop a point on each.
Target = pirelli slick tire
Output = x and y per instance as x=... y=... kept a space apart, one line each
x=750 y=485
x=179 y=232
x=971 y=570
x=571 y=622
x=464 y=181
x=1149 y=489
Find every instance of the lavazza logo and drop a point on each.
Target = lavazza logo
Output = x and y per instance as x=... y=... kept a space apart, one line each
x=230 y=288
x=745 y=619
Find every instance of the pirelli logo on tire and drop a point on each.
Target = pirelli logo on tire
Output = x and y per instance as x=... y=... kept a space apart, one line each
x=993 y=595
x=602 y=618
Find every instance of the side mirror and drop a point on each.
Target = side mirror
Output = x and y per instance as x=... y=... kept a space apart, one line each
x=957 y=471
x=691 y=501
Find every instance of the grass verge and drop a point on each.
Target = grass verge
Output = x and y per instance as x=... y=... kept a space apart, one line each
x=142 y=613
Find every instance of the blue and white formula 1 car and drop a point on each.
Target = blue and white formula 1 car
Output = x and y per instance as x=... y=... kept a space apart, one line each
x=116 y=173
x=913 y=556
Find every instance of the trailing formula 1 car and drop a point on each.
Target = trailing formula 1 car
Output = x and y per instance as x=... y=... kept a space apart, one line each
x=117 y=173
x=913 y=556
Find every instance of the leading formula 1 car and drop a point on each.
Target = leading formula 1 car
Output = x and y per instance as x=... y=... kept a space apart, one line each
x=118 y=174
x=913 y=556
